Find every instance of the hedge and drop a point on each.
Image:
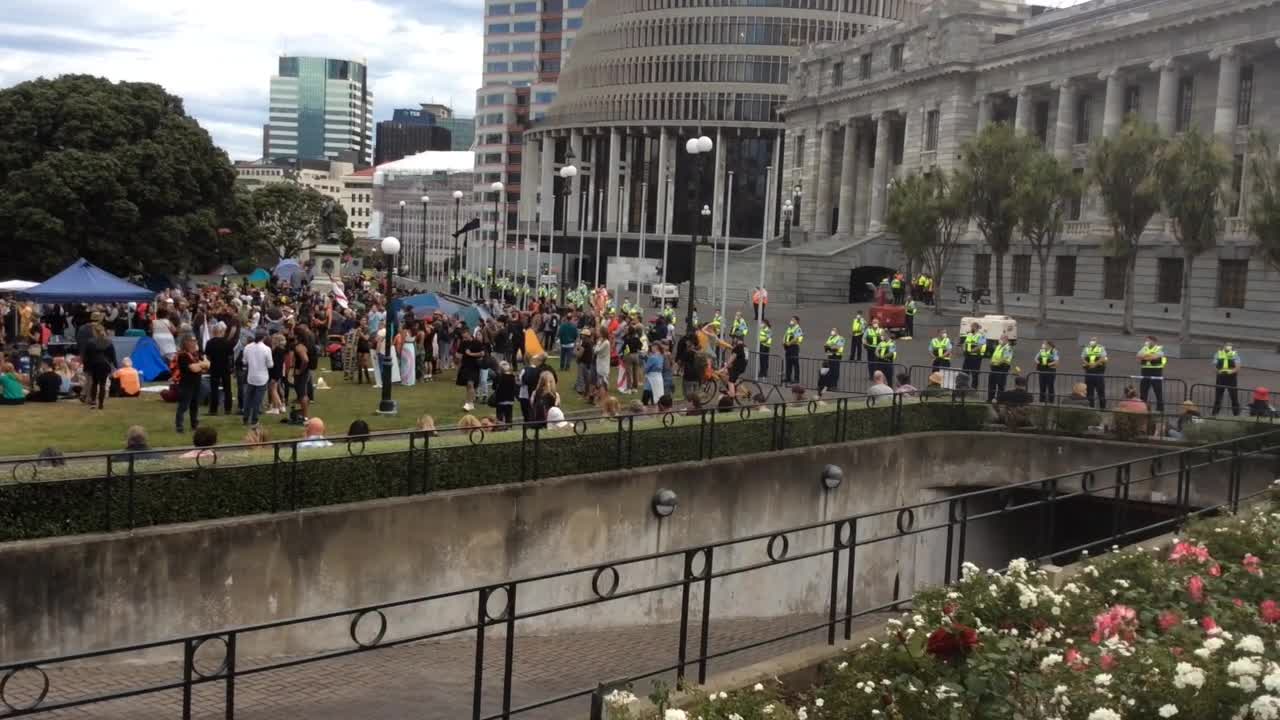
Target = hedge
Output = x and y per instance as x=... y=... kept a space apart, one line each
x=189 y=493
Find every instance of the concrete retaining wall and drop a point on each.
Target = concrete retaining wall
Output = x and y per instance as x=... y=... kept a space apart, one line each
x=91 y=592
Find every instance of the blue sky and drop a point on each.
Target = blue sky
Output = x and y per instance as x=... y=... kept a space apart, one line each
x=219 y=56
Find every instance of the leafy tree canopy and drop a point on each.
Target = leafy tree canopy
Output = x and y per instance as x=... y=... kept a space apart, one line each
x=115 y=172
x=291 y=218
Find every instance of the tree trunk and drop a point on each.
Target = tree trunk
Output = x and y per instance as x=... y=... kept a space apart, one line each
x=1184 y=332
x=937 y=294
x=1043 y=310
x=1000 y=283
x=1126 y=326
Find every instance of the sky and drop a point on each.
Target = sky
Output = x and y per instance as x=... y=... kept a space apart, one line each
x=219 y=55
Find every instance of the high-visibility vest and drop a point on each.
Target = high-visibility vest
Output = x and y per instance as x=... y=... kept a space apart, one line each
x=793 y=336
x=716 y=322
x=1159 y=362
x=871 y=337
x=834 y=345
x=1044 y=358
x=1226 y=361
x=911 y=308
x=886 y=351
x=1002 y=356
x=739 y=327
x=940 y=347
x=975 y=344
x=1094 y=354
x=766 y=337
x=897 y=283
x=857 y=327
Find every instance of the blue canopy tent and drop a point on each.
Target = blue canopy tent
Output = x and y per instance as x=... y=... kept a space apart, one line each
x=259 y=277
x=448 y=305
x=84 y=282
x=148 y=360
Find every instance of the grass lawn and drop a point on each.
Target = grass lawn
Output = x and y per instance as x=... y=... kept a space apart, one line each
x=70 y=426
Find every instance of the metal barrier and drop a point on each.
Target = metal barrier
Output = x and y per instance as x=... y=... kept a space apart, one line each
x=1215 y=399
x=854 y=376
x=1060 y=386
x=500 y=608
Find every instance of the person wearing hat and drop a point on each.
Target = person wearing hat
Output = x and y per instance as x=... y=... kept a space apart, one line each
x=1227 y=364
x=935 y=388
x=1261 y=405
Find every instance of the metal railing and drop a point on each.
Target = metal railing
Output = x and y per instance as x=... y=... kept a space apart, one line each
x=1058 y=387
x=835 y=549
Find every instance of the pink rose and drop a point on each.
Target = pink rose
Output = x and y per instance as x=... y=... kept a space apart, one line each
x=1195 y=588
x=1168 y=620
x=1207 y=623
x=1107 y=662
x=1252 y=564
x=1269 y=611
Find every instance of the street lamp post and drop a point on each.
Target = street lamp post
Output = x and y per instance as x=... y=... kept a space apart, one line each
x=599 y=220
x=666 y=228
x=795 y=207
x=497 y=193
x=457 y=218
x=422 y=260
x=786 y=224
x=567 y=173
x=390 y=247
x=694 y=147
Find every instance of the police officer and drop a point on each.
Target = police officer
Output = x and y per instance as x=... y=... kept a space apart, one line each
x=766 y=346
x=1227 y=362
x=791 y=340
x=716 y=323
x=886 y=355
x=738 y=330
x=855 y=337
x=1001 y=361
x=1047 y=369
x=1094 y=358
x=896 y=287
x=975 y=348
x=870 y=341
x=1152 y=360
x=829 y=378
x=911 y=319
x=940 y=349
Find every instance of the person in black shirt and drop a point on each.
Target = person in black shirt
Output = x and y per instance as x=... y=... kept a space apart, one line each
x=472 y=351
x=190 y=367
x=504 y=392
x=99 y=360
x=48 y=385
x=219 y=351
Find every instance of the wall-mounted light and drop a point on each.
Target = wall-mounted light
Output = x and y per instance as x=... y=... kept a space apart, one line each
x=665 y=502
x=832 y=476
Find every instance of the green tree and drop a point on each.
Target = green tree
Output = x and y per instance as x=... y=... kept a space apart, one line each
x=1124 y=170
x=292 y=218
x=1192 y=172
x=114 y=172
x=928 y=213
x=994 y=161
x=1040 y=201
x=1264 y=197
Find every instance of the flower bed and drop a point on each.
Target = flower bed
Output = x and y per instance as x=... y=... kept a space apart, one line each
x=1191 y=630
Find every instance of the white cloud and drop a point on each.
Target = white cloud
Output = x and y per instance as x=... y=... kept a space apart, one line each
x=219 y=56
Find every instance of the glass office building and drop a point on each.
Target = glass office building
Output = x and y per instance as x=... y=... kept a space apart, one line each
x=320 y=109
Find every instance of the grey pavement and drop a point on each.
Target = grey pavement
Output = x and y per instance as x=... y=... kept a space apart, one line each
x=428 y=680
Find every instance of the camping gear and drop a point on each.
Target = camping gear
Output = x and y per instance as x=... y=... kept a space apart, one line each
x=148 y=360
x=258 y=278
x=84 y=282
x=447 y=305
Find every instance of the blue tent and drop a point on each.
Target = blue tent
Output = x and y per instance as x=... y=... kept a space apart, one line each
x=449 y=305
x=286 y=269
x=148 y=360
x=84 y=282
x=259 y=277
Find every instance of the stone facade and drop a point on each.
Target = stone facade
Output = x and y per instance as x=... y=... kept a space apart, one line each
x=905 y=98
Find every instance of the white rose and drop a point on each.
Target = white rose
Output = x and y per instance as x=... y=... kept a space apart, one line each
x=1168 y=711
x=759 y=687
x=675 y=714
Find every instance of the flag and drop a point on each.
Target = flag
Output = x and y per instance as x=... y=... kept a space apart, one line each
x=532 y=346
x=339 y=293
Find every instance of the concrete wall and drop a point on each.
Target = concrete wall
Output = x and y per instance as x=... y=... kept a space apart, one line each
x=91 y=592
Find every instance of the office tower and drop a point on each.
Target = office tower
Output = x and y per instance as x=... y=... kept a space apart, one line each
x=320 y=109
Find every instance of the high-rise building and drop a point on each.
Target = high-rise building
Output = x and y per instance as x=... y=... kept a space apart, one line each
x=462 y=132
x=411 y=131
x=526 y=44
x=320 y=109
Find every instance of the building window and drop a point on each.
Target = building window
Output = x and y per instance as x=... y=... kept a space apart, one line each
x=552 y=26
x=1042 y=122
x=1064 y=281
x=1169 y=281
x=527 y=26
x=552 y=6
x=544 y=98
x=1076 y=208
x=504 y=9
x=798 y=160
x=1244 y=106
x=1186 y=100
x=837 y=74
x=573 y=23
x=1021 y=273
x=895 y=57
x=498 y=48
x=550 y=66
x=498 y=29
x=524 y=8
x=1233 y=278
x=1132 y=100
x=864 y=67
x=1113 y=276
x=577 y=4
x=288 y=67
x=523 y=66
x=496 y=67
x=1237 y=186
x=981 y=271
x=1084 y=107
x=931 y=122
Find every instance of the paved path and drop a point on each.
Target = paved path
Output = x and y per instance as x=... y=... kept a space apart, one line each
x=429 y=680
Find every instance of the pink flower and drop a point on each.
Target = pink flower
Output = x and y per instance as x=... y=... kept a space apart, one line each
x=1117 y=621
x=1215 y=570
x=1207 y=624
x=1269 y=611
x=1186 y=552
x=1107 y=662
x=1195 y=588
x=1177 y=651
x=1237 y=602
x=1073 y=660
x=1168 y=620
x=1253 y=564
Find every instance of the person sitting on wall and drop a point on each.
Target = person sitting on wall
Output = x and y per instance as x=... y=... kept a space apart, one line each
x=315 y=435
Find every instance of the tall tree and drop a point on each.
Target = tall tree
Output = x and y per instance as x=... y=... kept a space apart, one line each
x=1192 y=172
x=114 y=172
x=1040 y=201
x=1124 y=170
x=994 y=160
x=929 y=214
x=1264 y=197
x=292 y=218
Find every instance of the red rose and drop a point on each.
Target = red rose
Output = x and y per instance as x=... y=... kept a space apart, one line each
x=950 y=644
x=1207 y=623
x=1168 y=620
x=1195 y=589
x=1106 y=662
x=1269 y=611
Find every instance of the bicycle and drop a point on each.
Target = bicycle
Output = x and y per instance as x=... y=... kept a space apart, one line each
x=711 y=389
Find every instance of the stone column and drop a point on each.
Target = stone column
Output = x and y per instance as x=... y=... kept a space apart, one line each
x=1225 y=109
x=847 y=179
x=771 y=190
x=1113 y=109
x=717 y=204
x=1167 y=97
x=1064 y=133
x=611 y=180
x=822 y=190
x=1022 y=117
x=546 y=182
x=575 y=185
x=880 y=175
x=528 y=182
x=985 y=109
x=593 y=186
x=664 y=147
x=809 y=179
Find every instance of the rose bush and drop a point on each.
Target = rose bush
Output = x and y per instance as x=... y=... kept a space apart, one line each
x=1191 y=630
